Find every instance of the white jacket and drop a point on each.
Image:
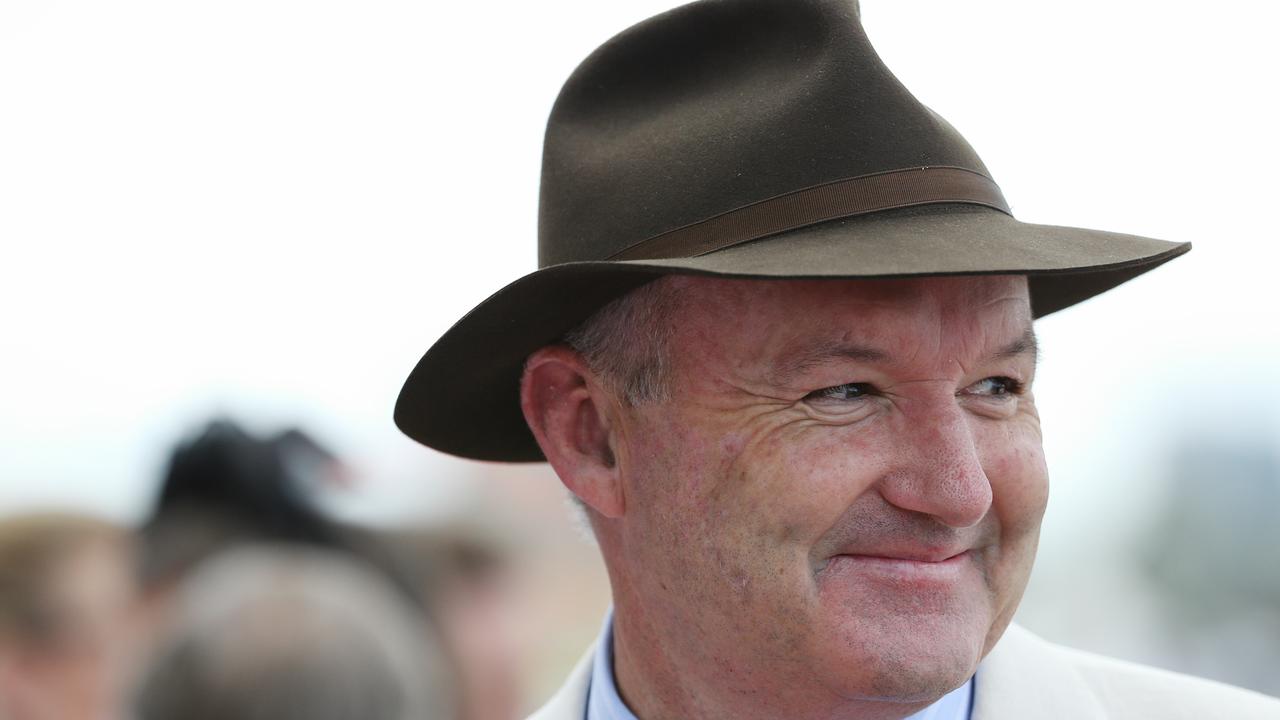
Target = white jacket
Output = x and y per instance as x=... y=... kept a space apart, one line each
x=1026 y=678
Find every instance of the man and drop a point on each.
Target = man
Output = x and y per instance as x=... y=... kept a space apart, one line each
x=781 y=350
x=266 y=631
x=66 y=600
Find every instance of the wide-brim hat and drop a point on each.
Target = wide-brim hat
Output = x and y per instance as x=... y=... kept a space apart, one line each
x=747 y=139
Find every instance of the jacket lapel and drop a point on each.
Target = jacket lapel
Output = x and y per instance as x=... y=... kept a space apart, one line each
x=570 y=701
x=1025 y=677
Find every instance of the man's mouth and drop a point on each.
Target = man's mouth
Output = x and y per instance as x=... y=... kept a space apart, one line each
x=922 y=563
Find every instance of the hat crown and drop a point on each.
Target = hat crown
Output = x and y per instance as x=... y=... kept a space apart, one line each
x=717 y=105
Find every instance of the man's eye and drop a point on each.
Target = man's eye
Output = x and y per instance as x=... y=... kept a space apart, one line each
x=996 y=386
x=847 y=391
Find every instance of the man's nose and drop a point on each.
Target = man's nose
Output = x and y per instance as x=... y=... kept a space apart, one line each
x=939 y=469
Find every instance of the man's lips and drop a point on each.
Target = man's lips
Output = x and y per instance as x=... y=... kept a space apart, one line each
x=925 y=562
x=931 y=553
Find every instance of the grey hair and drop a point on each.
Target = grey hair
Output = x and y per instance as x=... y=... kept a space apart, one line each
x=276 y=633
x=627 y=342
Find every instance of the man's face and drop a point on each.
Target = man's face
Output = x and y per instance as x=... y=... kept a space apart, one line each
x=844 y=489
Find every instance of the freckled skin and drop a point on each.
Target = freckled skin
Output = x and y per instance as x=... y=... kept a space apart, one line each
x=745 y=498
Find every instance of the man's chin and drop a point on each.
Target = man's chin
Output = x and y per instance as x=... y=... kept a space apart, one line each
x=902 y=658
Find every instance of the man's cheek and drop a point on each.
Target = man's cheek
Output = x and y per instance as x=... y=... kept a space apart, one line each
x=1020 y=488
x=794 y=493
x=836 y=465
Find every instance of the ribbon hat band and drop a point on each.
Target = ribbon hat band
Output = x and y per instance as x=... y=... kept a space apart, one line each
x=830 y=201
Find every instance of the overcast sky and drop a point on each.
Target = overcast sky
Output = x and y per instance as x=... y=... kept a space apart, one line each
x=271 y=208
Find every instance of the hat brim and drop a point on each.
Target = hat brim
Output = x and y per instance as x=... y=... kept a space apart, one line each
x=463 y=397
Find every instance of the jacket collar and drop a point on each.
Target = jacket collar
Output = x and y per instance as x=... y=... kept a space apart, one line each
x=1022 y=677
x=1026 y=677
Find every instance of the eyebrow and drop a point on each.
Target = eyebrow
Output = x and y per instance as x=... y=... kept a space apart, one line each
x=1026 y=344
x=797 y=363
x=791 y=366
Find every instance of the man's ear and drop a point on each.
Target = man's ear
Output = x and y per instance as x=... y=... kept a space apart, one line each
x=569 y=413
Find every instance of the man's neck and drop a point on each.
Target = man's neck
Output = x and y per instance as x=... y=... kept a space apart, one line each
x=656 y=681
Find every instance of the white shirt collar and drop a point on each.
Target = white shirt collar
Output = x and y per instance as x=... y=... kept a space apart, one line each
x=604 y=702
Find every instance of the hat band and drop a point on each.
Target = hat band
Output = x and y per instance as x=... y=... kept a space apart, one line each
x=830 y=201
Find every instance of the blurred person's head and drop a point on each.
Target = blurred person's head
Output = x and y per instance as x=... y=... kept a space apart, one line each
x=224 y=485
x=280 y=632
x=65 y=601
x=464 y=572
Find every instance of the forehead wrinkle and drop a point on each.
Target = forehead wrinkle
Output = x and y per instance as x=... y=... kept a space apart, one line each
x=796 y=363
x=727 y=309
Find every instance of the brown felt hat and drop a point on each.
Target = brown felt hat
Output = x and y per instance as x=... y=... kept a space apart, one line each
x=739 y=138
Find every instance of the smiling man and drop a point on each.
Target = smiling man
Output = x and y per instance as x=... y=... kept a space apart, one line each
x=833 y=510
x=781 y=349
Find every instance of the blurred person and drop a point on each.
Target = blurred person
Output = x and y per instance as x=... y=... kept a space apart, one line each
x=464 y=571
x=65 y=615
x=224 y=487
x=781 y=349
x=265 y=632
